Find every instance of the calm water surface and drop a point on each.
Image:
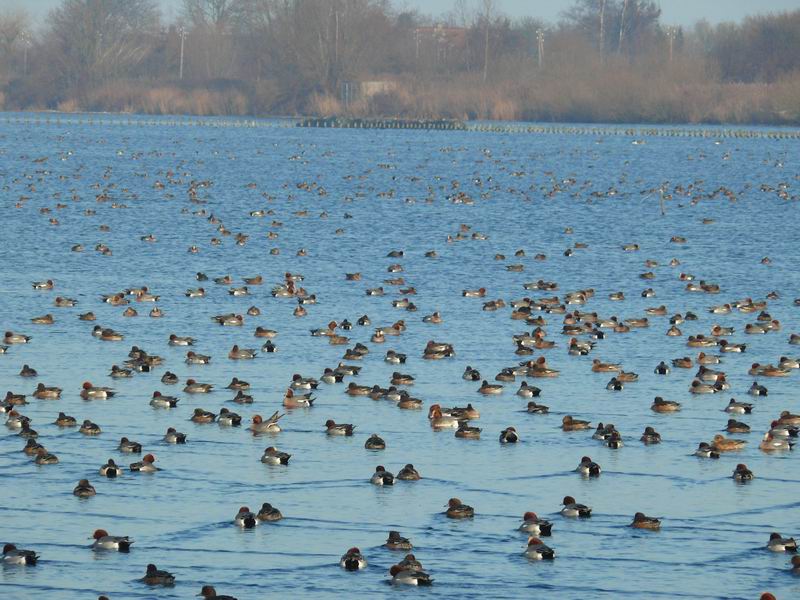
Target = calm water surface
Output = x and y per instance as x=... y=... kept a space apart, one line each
x=396 y=185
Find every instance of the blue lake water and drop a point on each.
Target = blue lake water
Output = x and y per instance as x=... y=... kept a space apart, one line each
x=397 y=186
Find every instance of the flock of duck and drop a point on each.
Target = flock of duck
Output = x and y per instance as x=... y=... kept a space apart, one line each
x=557 y=321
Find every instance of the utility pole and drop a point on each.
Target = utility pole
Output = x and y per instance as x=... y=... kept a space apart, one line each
x=540 y=44
x=183 y=37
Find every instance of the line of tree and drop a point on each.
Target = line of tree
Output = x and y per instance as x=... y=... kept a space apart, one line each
x=605 y=60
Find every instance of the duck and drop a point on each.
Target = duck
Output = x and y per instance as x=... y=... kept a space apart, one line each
x=193 y=358
x=174 y=437
x=742 y=473
x=401 y=576
x=490 y=388
x=539 y=409
x=588 y=468
x=161 y=401
x=771 y=443
x=125 y=445
x=777 y=543
x=479 y=293
x=262 y=332
x=43 y=457
x=43 y=392
x=237 y=353
x=64 y=420
x=572 y=509
x=787 y=418
x=757 y=390
x=615 y=385
x=145 y=465
x=103 y=541
x=735 y=426
x=110 y=470
x=381 y=476
x=662 y=369
x=602 y=367
x=154 y=576
x=726 y=346
x=245 y=518
x=193 y=387
x=397 y=542
x=333 y=428
x=227 y=418
x=267 y=512
x=458 y=510
x=661 y=405
x=394 y=358
x=90 y=392
x=118 y=372
x=723 y=444
x=175 y=340
x=32 y=447
x=272 y=456
x=408 y=473
x=439 y=420
x=509 y=436
x=614 y=440
x=568 y=423
x=238 y=384
x=528 y=391
x=705 y=450
x=14 y=556
x=538 y=550
x=467 y=432
x=202 y=416
x=210 y=593
x=738 y=408
x=169 y=378
x=532 y=524
x=292 y=400
x=15 y=338
x=84 y=489
x=375 y=442
x=641 y=521
x=708 y=359
x=89 y=428
x=259 y=425
x=353 y=560
x=650 y=436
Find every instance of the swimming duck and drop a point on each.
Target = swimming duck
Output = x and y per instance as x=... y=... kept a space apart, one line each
x=458 y=510
x=532 y=524
x=509 y=436
x=641 y=521
x=381 y=476
x=174 y=437
x=43 y=457
x=479 y=293
x=757 y=390
x=539 y=409
x=103 y=541
x=238 y=384
x=262 y=332
x=723 y=444
x=375 y=442
x=650 y=436
x=118 y=372
x=203 y=416
x=169 y=378
x=245 y=518
x=210 y=593
x=65 y=420
x=145 y=465
x=738 y=408
x=259 y=425
x=408 y=473
x=267 y=512
x=84 y=489
x=615 y=385
x=43 y=320
x=614 y=440
x=193 y=387
x=32 y=447
x=15 y=338
x=175 y=340
x=13 y=556
x=698 y=387
x=401 y=576
x=726 y=346
x=735 y=426
x=742 y=473
x=272 y=456
x=471 y=374
x=89 y=428
x=573 y=509
x=43 y=285
x=787 y=418
x=662 y=369
x=193 y=358
x=705 y=450
x=161 y=401
x=110 y=469
x=396 y=542
x=467 y=432
x=293 y=400
x=332 y=428
x=43 y=392
x=489 y=389
x=125 y=445
x=771 y=443
x=227 y=418
x=570 y=424
x=353 y=560
x=537 y=550
x=237 y=353
x=90 y=392
x=661 y=405
x=153 y=576
x=306 y=383
x=777 y=543
x=588 y=468
x=439 y=420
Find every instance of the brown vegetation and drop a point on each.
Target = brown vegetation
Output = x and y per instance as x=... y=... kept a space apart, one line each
x=611 y=61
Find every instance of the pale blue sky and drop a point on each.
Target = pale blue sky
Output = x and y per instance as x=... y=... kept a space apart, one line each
x=675 y=12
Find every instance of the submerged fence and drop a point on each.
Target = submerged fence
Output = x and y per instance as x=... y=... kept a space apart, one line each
x=40 y=119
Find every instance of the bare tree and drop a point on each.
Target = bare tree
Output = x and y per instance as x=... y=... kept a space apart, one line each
x=488 y=12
